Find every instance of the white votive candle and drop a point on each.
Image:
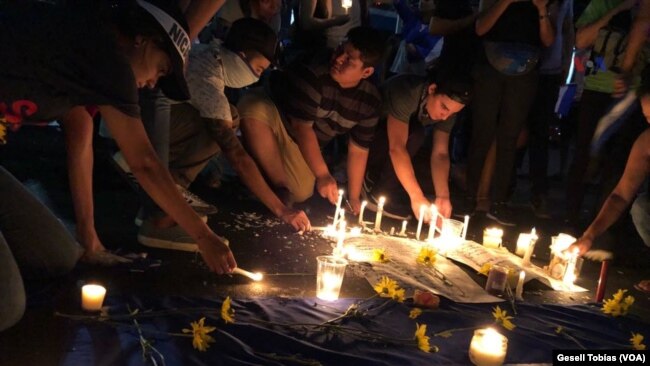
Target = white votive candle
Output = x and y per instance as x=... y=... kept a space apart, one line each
x=520 y=286
x=523 y=241
x=492 y=237
x=465 y=226
x=488 y=348
x=92 y=297
x=433 y=222
x=403 y=232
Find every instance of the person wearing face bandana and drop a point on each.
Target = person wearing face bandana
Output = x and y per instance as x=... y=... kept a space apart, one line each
x=205 y=126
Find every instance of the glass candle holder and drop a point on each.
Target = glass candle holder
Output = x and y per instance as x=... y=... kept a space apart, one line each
x=452 y=228
x=496 y=281
x=92 y=297
x=488 y=348
x=492 y=238
x=329 y=277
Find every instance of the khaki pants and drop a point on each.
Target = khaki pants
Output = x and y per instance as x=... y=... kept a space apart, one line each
x=257 y=105
x=191 y=145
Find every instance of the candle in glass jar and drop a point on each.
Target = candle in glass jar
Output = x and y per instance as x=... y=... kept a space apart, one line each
x=92 y=297
x=492 y=237
x=496 y=281
x=488 y=348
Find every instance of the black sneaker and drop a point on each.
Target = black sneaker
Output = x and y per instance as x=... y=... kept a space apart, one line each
x=540 y=207
x=502 y=213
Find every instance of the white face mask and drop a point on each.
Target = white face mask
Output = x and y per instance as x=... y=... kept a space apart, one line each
x=236 y=72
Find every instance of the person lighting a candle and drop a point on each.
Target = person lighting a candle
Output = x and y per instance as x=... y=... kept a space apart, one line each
x=136 y=51
x=285 y=128
x=414 y=103
x=624 y=194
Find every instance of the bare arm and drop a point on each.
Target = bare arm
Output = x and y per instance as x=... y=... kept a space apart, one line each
x=308 y=144
x=546 y=29
x=490 y=15
x=638 y=36
x=399 y=156
x=199 y=13
x=440 y=165
x=636 y=171
x=78 y=130
x=250 y=175
x=444 y=27
x=586 y=35
x=357 y=160
x=157 y=182
x=306 y=10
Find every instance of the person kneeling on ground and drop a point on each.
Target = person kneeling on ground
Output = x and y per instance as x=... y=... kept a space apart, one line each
x=205 y=126
x=305 y=107
x=414 y=103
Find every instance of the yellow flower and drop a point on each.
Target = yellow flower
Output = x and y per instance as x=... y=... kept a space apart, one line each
x=559 y=330
x=385 y=287
x=636 y=340
x=398 y=295
x=427 y=256
x=501 y=317
x=415 y=312
x=201 y=340
x=485 y=269
x=227 y=313
x=378 y=255
x=617 y=306
x=422 y=338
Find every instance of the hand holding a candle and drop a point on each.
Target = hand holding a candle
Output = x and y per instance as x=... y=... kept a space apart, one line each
x=216 y=253
x=327 y=188
x=444 y=206
x=418 y=202
x=582 y=245
x=297 y=219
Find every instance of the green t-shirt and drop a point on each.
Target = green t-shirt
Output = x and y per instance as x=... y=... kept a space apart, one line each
x=403 y=97
x=603 y=80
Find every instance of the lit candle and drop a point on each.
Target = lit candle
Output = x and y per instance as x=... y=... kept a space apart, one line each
x=355 y=231
x=492 y=238
x=420 y=221
x=392 y=230
x=341 y=238
x=92 y=297
x=257 y=276
x=329 y=277
x=522 y=244
x=433 y=222
x=570 y=273
x=531 y=247
x=346 y=4
x=363 y=207
x=488 y=348
x=338 y=207
x=380 y=211
x=465 y=226
x=403 y=232
x=520 y=286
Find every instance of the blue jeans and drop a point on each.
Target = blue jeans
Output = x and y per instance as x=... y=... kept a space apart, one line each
x=640 y=212
x=33 y=244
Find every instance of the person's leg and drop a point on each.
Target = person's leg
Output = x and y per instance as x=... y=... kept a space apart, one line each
x=31 y=239
x=12 y=301
x=592 y=106
x=191 y=146
x=541 y=115
x=517 y=98
x=155 y=110
x=488 y=89
x=270 y=145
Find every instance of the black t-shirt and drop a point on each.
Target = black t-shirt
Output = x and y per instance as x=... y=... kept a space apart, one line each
x=56 y=58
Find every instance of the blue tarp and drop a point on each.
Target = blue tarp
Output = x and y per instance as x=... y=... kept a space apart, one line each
x=247 y=342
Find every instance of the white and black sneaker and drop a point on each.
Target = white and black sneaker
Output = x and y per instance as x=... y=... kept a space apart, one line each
x=200 y=206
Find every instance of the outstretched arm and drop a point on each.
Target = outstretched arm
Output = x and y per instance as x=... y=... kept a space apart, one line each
x=440 y=165
x=157 y=182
